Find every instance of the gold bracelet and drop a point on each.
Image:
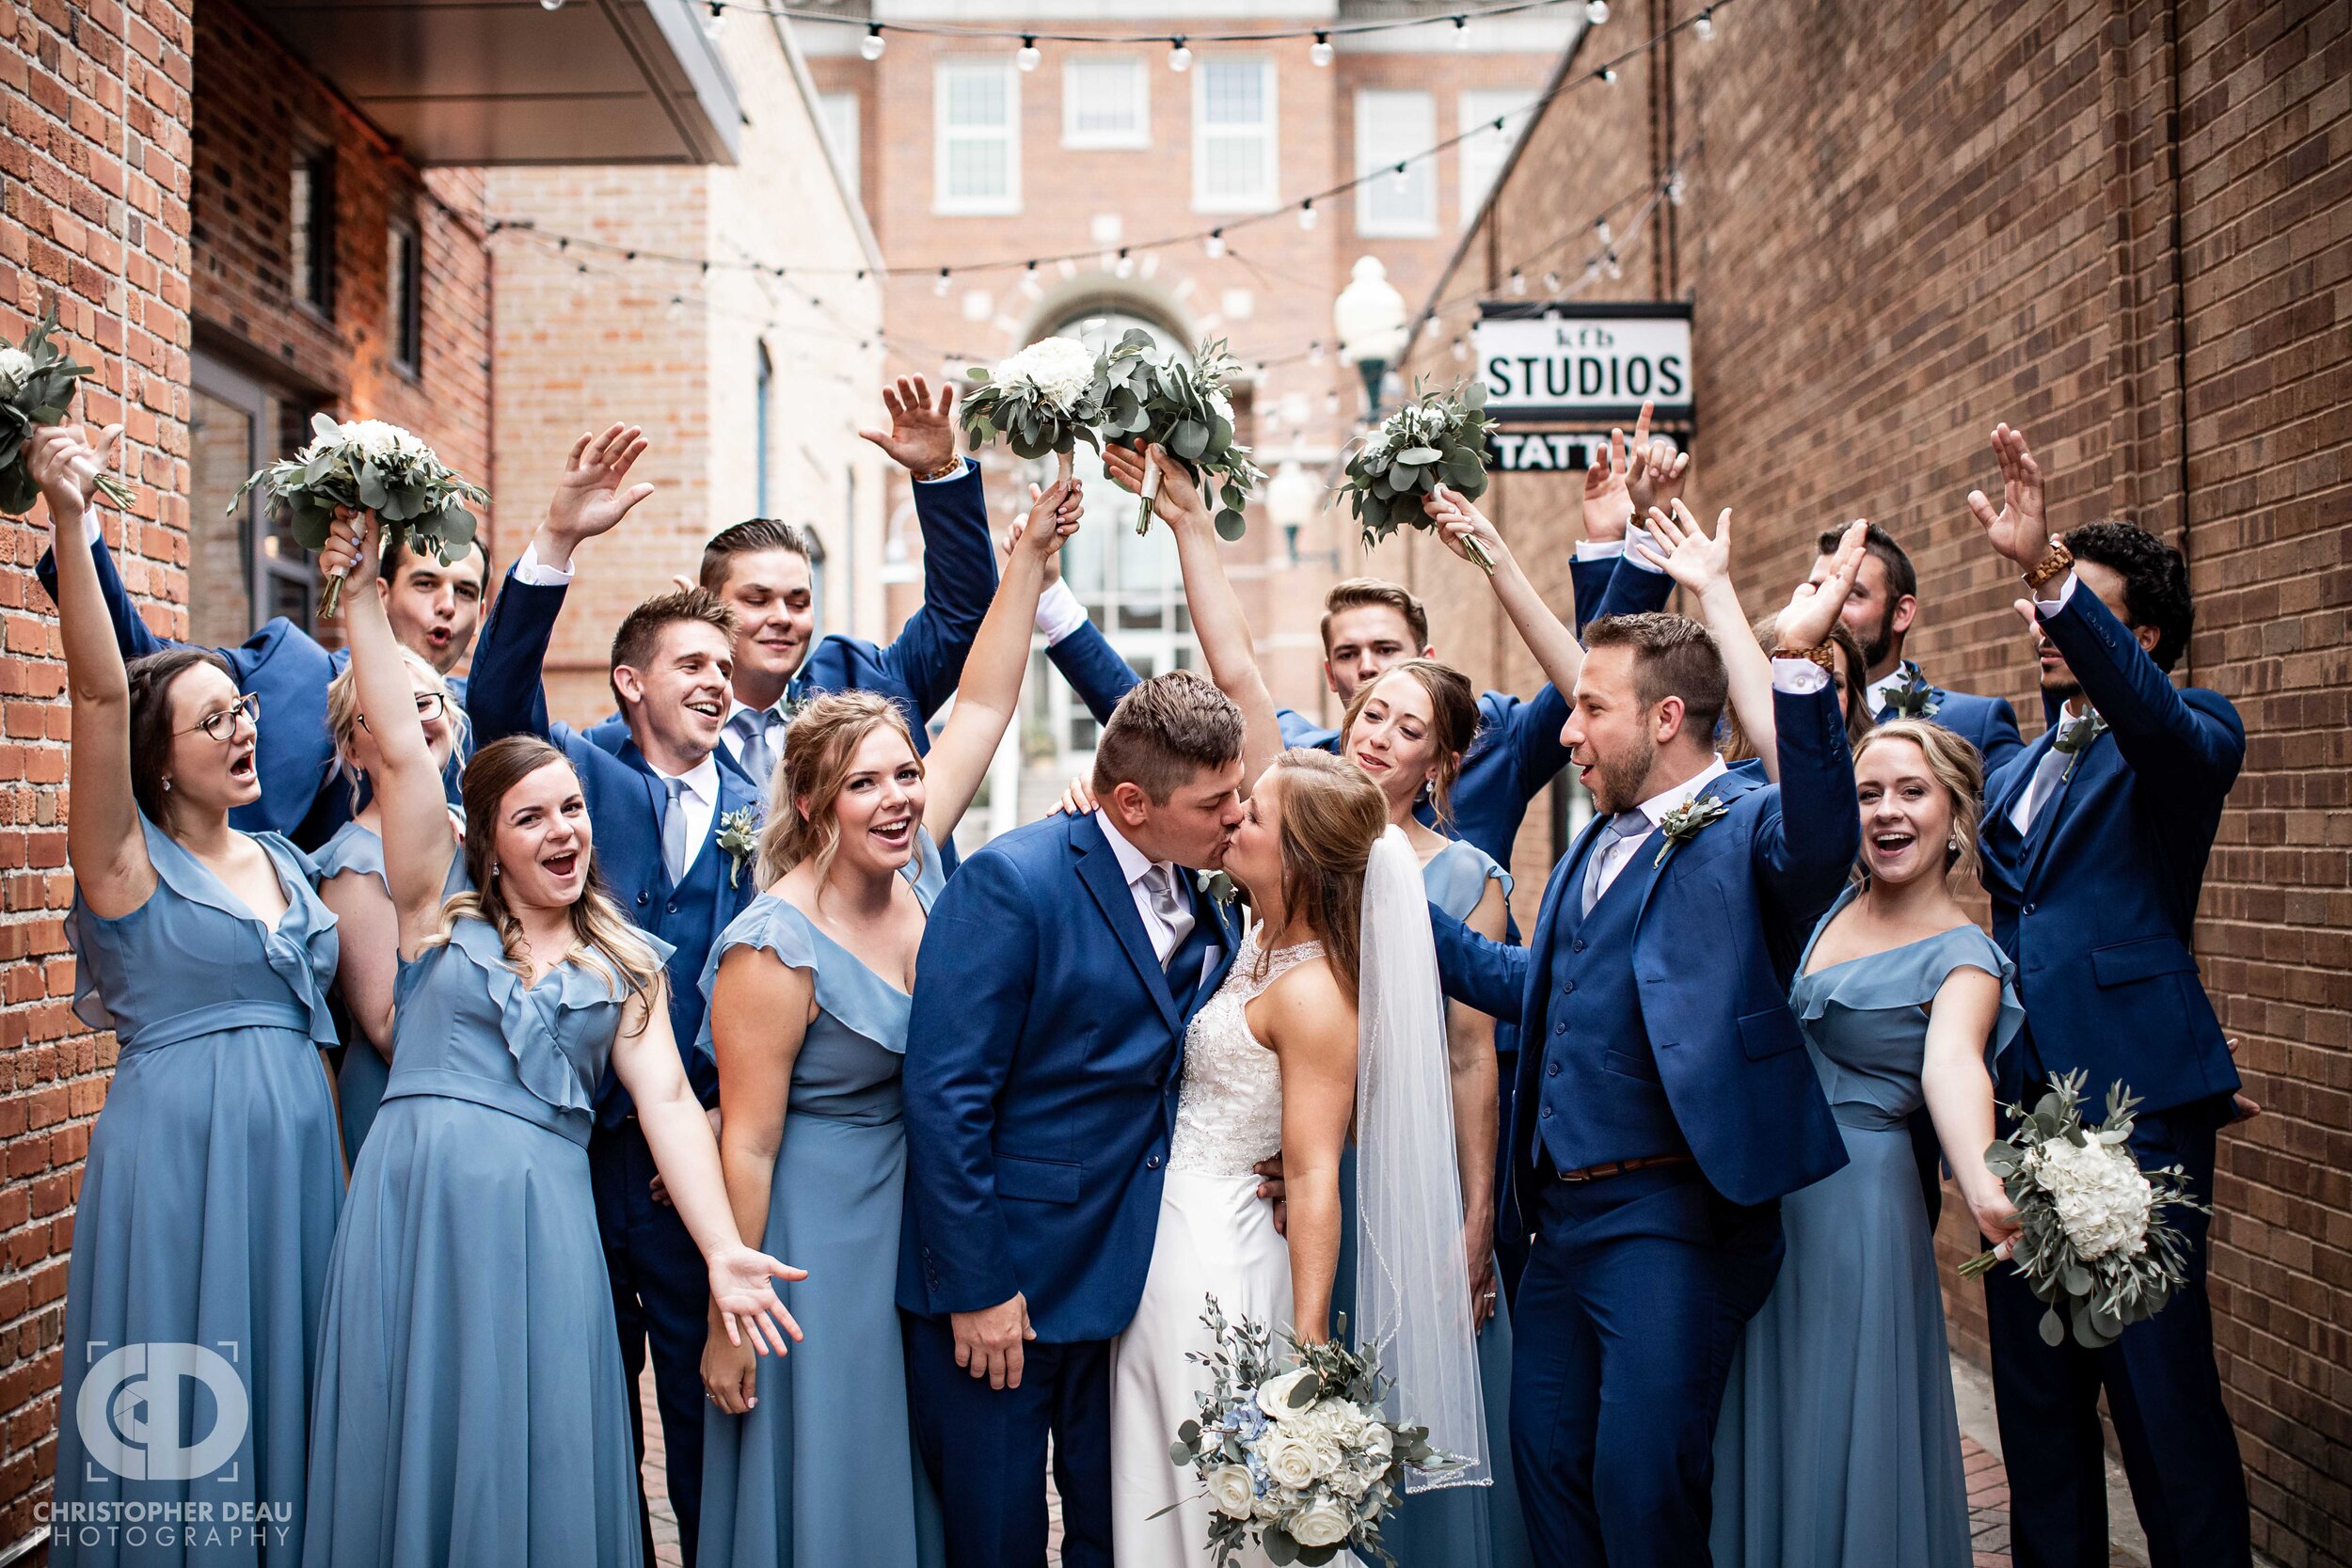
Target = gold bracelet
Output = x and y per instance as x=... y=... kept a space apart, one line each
x=1820 y=656
x=948 y=470
x=2054 y=565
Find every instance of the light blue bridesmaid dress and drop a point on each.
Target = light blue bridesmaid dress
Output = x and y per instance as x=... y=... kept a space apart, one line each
x=206 y=1217
x=1838 y=1445
x=471 y=1406
x=361 y=1070
x=821 y=1470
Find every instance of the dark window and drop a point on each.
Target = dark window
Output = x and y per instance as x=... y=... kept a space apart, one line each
x=311 y=227
x=404 y=291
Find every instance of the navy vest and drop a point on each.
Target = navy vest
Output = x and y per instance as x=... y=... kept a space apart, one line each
x=688 y=917
x=1601 y=1097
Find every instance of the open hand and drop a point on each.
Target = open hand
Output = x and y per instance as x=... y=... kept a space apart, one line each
x=1458 y=523
x=1608 y=501
x=1177 y=503
x=739 y=1288
x=2019 y=531
x=593 y=495
x=1812 y=611
x=1685 y=553
x=66 y=466
x=922 y=434
x=1654 y=469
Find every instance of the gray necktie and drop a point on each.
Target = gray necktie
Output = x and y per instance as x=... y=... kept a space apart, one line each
x=751 y=746
x=674 y=831
x=1624 y=825
x=1160 y=881
x=2043 y=785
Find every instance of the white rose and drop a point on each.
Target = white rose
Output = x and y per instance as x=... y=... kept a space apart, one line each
x=1290 y=1462
x=16 y=369
x=1231 y=1491
x=1321 y=1523
x=1378 y=1441
x=1274 y=1395
x=1353 y=1480
x=2102 y=1200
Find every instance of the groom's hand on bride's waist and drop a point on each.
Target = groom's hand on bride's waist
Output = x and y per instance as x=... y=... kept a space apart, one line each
x=1270 y=1188
x=987 y=1342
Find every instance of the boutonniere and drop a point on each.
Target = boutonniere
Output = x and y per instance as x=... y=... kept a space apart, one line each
x=1914 y=698
x=1217 y=886
x=738 y=836
x=1686 y=822
x=2075 y=739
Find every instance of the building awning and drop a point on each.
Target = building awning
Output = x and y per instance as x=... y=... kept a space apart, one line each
x=513 y=82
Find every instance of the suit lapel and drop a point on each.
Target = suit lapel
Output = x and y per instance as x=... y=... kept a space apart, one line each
x=1098 y=870
x=1725 y=787
x=2044 y=826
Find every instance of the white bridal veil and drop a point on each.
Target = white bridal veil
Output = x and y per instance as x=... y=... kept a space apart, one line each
x=1412 y=1277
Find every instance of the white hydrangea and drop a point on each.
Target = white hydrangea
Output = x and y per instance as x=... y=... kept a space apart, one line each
x=16 y=369
x=1061 y=369
x=375 y=439
x=2102 y=1200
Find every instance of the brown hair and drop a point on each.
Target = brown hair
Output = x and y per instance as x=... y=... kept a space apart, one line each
x=1737 y=747
x=342 y=711
x=640 y=634
x=1357 y=593
x=1673 y=657
x=1903 y=578
x=599 y=929
x=1953 y=762
x=151 y=679
x=817 y=749
x=1454 y=709
x=750 y=537
x=1332 y=815
x=1163 y=732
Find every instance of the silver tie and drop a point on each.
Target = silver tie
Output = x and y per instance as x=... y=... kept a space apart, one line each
x=1160 y=881
x=1624 y=825
x=751 y=747
x=674 y=831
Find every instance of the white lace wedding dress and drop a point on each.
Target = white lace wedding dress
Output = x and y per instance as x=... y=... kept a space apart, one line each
x=1216 y=1237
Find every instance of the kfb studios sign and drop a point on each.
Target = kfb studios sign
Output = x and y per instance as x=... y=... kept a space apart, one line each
x=1559 y=363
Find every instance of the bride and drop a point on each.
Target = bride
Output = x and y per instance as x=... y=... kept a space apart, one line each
x=1327 y=1019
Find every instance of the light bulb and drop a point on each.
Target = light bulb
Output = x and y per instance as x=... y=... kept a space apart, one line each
x=1461 y=349
x=1179 y=58
x=1432 y=327
x=1029 y=56
x=1461 y=32
x=1551 y=282
x=939 y=288
x=1126 y=267
x=1331 y=403
x=1320 y=54
x=1404 y=179
x=873 y=43
x=1214 y=245
x=1306 y=214
x=1597 y=12
x=1605 y=234
x=1703 y=27
x=1519 y=283
x=716 y=23
x=1674 y=189
x=1609 y=74
x=1592 y=269
x=1616 y=268
x=550 y=5
x=1314 y=352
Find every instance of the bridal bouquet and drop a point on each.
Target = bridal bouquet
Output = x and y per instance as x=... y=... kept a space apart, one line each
x=1046 y=399
x=1184 y=408
x=36 y=389
x=2093 y=1236
x=1299 y=1459
x=369 y=466
x=1439 y=438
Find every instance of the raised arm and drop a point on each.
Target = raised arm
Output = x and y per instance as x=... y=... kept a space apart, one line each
x=989 y=695
x=1217 y=621
x=959 y=564
x=102 y=838
x=408 y=780
x=1556 y=650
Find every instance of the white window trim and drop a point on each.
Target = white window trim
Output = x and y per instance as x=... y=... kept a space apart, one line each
x=943 y=204
x=1377 y=227
x=1202 y=201
x=1106 y=141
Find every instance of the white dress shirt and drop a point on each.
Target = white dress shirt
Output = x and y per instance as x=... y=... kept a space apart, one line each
x=700 y=799
x=1132 y=865
x=2054 y=762
x=1880 y=694
x=1634 y=535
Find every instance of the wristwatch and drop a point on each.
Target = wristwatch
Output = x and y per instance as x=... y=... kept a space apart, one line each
x=1821 y=656
x=948 y=470
x=2051 y=567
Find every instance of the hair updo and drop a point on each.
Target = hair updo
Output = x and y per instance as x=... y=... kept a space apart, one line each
x=819 y=746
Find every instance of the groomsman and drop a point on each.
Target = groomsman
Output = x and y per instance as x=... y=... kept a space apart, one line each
x=2095 y=842
x=1665 y=1102
x=1880 y=611
x=660 y=806
x=432 y=609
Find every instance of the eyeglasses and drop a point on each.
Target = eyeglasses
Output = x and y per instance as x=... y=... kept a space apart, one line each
x=222 y=726
x=430 y=706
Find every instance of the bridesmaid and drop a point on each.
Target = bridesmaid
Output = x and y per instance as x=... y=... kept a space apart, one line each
x=471 y=1406
x=353 y=884
x=1838 y=1445
x=812 y=1460
x=1409 y=730
x=209 y=1196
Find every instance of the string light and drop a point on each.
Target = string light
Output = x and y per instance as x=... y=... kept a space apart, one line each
x=1615 y=268
x=1433 y=328
x=1029 y=56
x=1609 y=74
x=1675 y=188
x=1597 y=12
x=716 y=23
x=1551 y=284
x=1461 y=32
x=873 y=43
x=1518 y=281
x=1126 y=266
x=1314 y=352
x=1214 y=246
x=1404 y=179
x=1703 y=29
x=1461 y=350
x=550 y=5
x=1602 y=232
x=940 y=288
x=1320 y=54
x=1179 y=57
x=1306 y=214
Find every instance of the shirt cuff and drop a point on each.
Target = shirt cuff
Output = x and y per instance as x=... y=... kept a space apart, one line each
x=1636 y=535
x=2056 y=602
x=537 y=573
x=1798 y=677
x=1587 y=550
x=963 y=464
x=1058 y=612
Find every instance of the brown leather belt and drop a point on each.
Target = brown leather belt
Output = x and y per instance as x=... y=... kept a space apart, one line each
x=1620 y=1167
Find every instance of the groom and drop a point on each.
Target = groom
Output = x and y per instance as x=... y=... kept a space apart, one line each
x=1665 y=1102
x=1060 y=969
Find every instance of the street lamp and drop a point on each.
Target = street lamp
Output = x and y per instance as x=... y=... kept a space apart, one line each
x=1369 y=318
x=1290 y=503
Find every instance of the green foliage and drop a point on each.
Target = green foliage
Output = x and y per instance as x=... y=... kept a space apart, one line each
x=1437 y=438
x=42 y=395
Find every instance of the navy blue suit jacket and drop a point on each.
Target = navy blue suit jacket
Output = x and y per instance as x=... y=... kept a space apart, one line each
x=625 y=800
x=2097 y=900
x=294 y=753
x=1043 y=1058
x=1713 y=948
x=1988 y=723
x=1517 y=751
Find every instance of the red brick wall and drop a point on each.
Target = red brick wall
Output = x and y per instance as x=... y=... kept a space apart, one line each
x=1911 y=222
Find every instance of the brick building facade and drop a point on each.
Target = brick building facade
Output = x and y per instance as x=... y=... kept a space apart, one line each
x=2126 y=229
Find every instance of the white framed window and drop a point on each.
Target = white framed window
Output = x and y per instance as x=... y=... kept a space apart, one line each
x=1234 y=146
x=839 y=112
x=1391 y=125
x=1488 y=148
x=1105 y=102
x=977 y=114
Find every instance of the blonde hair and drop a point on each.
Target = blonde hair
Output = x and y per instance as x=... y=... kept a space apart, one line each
x=1953 y=762
x=1453 y=723
x=819 y=746
x=1332 y=814
x=342 y=710
x=599 y=931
